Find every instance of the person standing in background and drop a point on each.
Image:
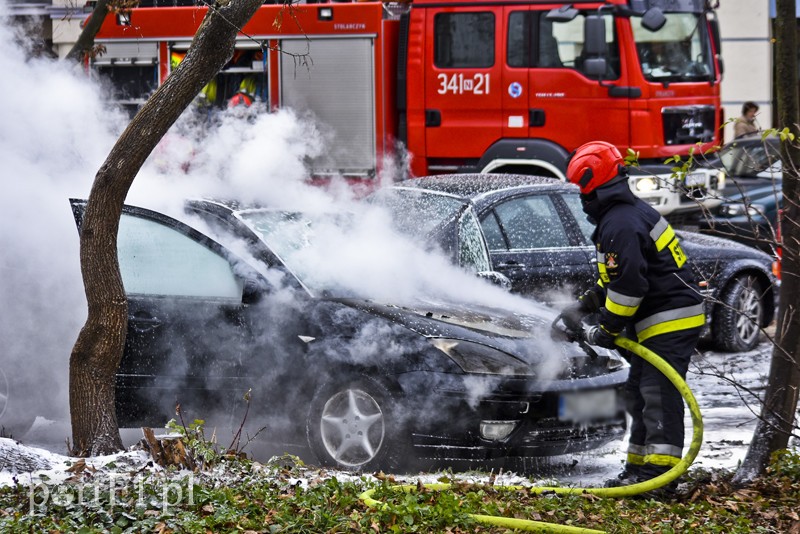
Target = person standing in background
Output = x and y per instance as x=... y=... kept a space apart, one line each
x=747 y=122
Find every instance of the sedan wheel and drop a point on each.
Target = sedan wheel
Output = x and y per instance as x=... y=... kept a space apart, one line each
x=352 y=426
x=739 y=315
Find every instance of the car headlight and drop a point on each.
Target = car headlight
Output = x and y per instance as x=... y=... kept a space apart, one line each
x=721 y=180
x=476 y=358
x=646 y=184
x=738 y=208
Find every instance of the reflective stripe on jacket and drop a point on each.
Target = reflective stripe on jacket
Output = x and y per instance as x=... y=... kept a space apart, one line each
x=644 y=272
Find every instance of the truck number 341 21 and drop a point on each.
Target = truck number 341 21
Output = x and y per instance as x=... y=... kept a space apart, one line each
x=458 y=84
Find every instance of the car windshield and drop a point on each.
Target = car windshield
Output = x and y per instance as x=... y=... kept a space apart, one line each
x=291 y=234
x=422 y=214
x=416 y=212
x=679 y=52
x=749 y=159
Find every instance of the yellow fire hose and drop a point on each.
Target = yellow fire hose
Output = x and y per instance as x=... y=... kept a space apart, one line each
x=623 y=491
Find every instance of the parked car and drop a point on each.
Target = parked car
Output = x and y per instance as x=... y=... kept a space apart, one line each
x=367 y=384
x=750 y=218
x=746 y=163
x=539 y=237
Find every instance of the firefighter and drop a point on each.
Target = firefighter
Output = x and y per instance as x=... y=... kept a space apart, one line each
x=246 y=93
x=645 y=289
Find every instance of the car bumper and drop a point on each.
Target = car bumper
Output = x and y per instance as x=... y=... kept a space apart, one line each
x=455 y=421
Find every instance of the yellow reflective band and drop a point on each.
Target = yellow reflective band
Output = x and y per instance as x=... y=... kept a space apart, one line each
x=672 y=326
x=677 y=252
x=600 y=282
x=620 y=309
x=620 y=304
x=661 y=459
x=635 y=459
x=601 y=268
x=665 y=238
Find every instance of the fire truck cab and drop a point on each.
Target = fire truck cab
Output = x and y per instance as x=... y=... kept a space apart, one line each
x=464 y=85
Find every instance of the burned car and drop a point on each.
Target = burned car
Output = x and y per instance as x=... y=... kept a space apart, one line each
x=539 y=237
x=232 y=303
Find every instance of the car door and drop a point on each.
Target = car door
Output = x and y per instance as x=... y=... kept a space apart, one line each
x=188 y=336
x=530 y=243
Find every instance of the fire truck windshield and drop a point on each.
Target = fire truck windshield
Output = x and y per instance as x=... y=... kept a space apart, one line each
x=679 y=52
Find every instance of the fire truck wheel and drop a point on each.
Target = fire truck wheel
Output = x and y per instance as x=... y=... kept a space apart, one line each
x=738 y=317
x=354 y=424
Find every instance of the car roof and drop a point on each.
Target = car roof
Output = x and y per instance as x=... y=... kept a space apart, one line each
x=753 y=138
x=473 y=186
x=773 y=191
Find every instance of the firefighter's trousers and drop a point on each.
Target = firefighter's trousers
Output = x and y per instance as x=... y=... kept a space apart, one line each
x=656 y=407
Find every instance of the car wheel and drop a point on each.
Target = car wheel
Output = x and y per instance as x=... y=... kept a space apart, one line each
x=738 y=317
x=354 y=425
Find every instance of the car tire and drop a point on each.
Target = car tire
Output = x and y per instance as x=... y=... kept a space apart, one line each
x=739 y=315
x=354 y=424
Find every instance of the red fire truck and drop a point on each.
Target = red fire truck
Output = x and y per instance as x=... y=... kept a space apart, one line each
x=464 y=85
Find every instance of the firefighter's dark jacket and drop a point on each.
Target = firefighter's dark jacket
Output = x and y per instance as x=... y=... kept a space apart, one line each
x=642 y=269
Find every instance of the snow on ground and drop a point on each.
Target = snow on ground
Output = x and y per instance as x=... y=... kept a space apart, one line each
x=729 y=416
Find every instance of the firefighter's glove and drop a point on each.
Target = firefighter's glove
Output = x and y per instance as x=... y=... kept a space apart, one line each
x=591 y=300
x=572 y=316
x=597 y=335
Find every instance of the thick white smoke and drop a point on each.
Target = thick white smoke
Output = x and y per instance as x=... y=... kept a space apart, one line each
x=56 y=131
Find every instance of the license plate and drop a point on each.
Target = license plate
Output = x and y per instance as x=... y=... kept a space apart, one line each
x=582 y=406
x=695 y=179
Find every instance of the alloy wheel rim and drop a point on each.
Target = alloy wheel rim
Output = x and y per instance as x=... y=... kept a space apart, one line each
x=748 y=319
x=352 y=427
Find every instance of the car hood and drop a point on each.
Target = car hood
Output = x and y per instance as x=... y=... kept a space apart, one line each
x=435 y=319
x=522 y=335
x=525 y=336
x=703 y=247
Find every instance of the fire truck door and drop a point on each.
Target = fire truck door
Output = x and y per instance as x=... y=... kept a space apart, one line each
x=516 y=62
x=567 y=105
x=462 y=81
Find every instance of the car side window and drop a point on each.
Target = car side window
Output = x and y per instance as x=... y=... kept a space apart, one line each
x=493 y=233
x=158 y=260
x=573 y=201
x=472 y=251
x=532 y=222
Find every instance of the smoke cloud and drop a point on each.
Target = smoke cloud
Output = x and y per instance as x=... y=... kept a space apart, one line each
x=56 y=131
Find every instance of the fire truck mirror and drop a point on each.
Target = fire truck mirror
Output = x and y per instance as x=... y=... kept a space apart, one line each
x=595 y=66
x=594 y=36
x=653 y=19
x=562 y=14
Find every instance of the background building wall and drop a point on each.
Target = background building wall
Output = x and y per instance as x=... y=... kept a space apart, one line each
x=746 y=32
x=68 y=15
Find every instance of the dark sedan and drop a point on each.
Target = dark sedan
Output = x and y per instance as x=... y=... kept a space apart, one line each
x=366 y=383
x=750 y=218
x=540 y=239
x=748 y=162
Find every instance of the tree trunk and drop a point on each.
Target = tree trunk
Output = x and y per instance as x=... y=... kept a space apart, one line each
x=777 y=420
x=85 y=40
x=98 y=350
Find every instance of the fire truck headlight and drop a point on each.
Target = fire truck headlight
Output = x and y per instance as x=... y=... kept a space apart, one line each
x=646 y=184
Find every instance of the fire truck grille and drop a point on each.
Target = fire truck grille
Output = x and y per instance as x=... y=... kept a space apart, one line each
x=687 y=125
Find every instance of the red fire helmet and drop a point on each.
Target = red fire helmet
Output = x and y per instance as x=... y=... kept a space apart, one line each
x=594 y=164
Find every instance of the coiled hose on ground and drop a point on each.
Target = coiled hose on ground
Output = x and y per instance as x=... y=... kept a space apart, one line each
x=622 y=491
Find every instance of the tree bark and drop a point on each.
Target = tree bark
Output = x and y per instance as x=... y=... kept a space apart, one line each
x=85 y=40
x=777 y=420
x=98 y=350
